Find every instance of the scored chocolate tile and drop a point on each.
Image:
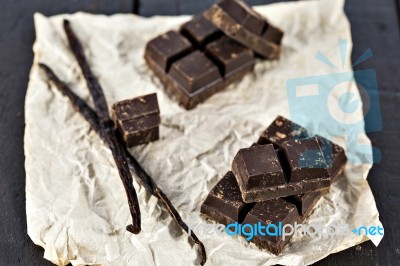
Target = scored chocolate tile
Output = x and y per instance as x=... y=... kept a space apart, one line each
x=230 y=55
x=304 y=159
x=195 y=71
x=167 y=48
x=200 y=31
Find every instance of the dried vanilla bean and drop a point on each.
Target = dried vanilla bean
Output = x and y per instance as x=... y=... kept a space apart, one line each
x=107 y=128
x=142 y=177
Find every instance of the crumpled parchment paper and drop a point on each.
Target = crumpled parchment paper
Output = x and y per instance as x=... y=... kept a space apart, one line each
x=75 y=203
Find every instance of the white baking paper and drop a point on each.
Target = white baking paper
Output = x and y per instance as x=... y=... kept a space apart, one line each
x=75 y=202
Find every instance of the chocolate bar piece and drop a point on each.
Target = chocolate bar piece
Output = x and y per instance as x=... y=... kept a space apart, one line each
x=200 y=31
x=281 y=130
x=239 y=22
x=138 y=119
x=195 y=71
x=134 y=108
x=335 y=156
x=224 y=202
x=196 y=63
x=264 y=174
x=167 y=48
x=272 y=212
x=230 y=56
x=225 y=205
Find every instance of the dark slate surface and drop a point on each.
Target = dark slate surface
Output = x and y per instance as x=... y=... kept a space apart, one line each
x=374 y=25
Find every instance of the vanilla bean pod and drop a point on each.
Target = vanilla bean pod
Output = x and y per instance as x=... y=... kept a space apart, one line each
x=107 y=128
x=142 y=177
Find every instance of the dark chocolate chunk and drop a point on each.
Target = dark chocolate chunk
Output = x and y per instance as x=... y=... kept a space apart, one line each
x=138 y=119
x=244 y=15
x=167 y=48
x=281 y=130
x=257 y=167
x=273 y=34
x=200 y=31
x=239 y=22
x=224 y=203
x=136 y=107
x=263 y=175
x=230 y=56
x=305 y=160
x=272 y=212
x=334 y=155
x=195 y=71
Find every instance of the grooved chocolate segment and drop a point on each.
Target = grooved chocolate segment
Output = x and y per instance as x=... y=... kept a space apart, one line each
x=167 y=48
x=138 y=119
x=257 y=167
x=200 y=31
x=230 y=56
x=194 y=72
x=134 y=126
x=273 y=34
x=224 y=202
x=272 y=212
x=241 y=23
x=305 y=160
x=260 y=172
x=134 y=108
x=334 y=155
x=244 y=15
x=280 y=130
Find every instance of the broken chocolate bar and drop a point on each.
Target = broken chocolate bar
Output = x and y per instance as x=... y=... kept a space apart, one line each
x=197 y=62
x=138 y=119
x=262 y=174
x=239 y=22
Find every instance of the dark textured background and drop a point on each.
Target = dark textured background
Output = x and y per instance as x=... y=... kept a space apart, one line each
x=374 y=25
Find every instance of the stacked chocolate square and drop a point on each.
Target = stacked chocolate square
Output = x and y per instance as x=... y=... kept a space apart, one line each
x=137 y=119
x=278 y=179
x=211 y=51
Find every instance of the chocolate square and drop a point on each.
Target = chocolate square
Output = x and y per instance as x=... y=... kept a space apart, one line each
x=200 y=31
x=304 y=159
x=273 y=34
x=136 y=107
x=194 y=72
x=257 y=167
x=271 y=212
x=230 y=55
x=243 y=15
x=334 y=155
x=224 y=203
x=166 y=48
